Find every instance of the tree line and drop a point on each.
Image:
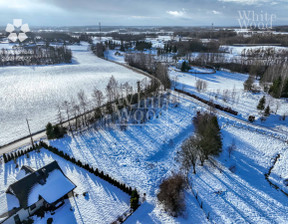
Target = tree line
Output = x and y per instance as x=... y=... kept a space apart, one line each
x=36 y=55
x=147 y=63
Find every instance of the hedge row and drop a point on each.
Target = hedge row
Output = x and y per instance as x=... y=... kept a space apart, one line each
x=90 y=169
x=217 y=106
x=14 y=155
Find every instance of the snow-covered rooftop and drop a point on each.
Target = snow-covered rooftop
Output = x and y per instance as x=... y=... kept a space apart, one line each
x=49 y=182
x=56 y=186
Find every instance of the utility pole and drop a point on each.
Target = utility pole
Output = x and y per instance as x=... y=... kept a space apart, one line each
x=100 y=31
x=139 y=93
x=30 y=133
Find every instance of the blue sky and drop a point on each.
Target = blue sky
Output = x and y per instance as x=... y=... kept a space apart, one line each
x=135 y=12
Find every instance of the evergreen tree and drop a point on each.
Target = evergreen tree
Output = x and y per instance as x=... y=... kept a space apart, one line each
x=267 y=111
x=185 y=67
x=5 y=158
x=49 y=131
x=285 y=89
x=261 y=104
x=209 y=135
x=275 y=90
x=134 y=201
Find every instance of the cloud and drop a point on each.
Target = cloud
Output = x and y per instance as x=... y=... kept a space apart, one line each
x=246 y=2
x=177 y=13
x=131 y=12
x=216 y=12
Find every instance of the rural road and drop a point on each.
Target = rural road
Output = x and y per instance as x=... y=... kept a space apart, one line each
x=20 y=143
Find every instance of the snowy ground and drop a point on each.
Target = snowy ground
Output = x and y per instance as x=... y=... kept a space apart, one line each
x=233 y=190
x=237 y=50
x=143 y=156
x=242 y=196
x=103 y=204
x=34 y=92
x=226 y=88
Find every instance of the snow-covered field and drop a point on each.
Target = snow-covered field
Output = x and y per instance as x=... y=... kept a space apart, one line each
x=34 y=92
x=242 y=195
x=226 y=88
x=232 y=189
x=103 y=203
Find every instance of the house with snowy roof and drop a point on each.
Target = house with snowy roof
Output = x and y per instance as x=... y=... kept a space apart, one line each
x=44 y=189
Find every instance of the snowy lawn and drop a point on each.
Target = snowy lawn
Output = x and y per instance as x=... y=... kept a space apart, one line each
x=103 y=203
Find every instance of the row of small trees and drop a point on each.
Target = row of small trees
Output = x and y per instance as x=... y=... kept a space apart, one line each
x=90 y=169
x=85 y=112
x=14 y=155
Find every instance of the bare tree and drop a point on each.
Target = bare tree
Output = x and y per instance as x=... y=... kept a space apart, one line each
x=171 y=194
x=201 y=85
x=76 y=112
x=189 y=154
x=112 y=89
x=66 y=106
x=59 y=116
x=127 y=88
x=83 y=103
x=232 y=147
x=98 y=97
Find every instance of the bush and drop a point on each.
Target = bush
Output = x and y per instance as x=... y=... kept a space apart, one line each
x=171 y=194
x=251 y=118
x=55 y=131
x=134 y=200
